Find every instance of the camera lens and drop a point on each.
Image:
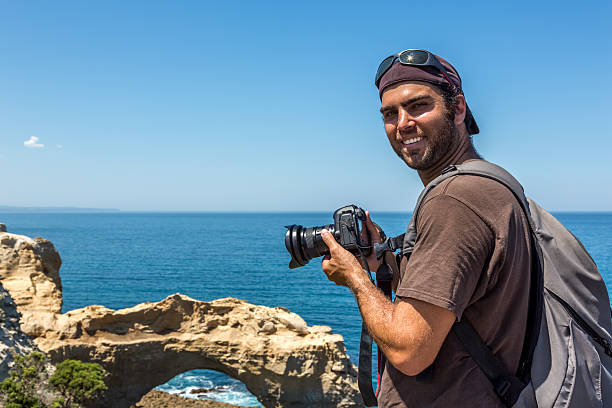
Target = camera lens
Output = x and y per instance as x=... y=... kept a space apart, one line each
x=305 y=243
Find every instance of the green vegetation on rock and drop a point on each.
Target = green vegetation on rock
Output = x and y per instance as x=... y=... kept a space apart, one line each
x=29 y=384
x=78 y=381
x=20 y=389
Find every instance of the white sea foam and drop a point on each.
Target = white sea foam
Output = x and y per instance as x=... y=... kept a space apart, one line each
x=219 y=388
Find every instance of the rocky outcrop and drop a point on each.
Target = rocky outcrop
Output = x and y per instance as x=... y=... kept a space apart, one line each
x=281 y=360
x=29 y=280
x=12 y=338
x=29 y=271
x=159 y=399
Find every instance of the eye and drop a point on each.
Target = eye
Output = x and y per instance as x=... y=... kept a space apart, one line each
x=419 y=105
x=389 y=114
x=417 y=108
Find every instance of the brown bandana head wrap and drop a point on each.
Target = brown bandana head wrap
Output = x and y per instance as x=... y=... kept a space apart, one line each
x=400 y=73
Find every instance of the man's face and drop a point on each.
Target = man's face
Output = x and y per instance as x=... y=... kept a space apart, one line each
x=417 y=123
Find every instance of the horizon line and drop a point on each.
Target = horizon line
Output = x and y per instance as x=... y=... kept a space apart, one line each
x=92 y=210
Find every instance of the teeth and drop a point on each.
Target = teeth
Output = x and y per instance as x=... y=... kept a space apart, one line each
x=411 y=141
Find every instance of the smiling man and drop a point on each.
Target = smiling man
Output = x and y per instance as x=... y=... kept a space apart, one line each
x=471 y=259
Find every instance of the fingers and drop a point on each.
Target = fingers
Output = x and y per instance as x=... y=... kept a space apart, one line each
x=329 y=240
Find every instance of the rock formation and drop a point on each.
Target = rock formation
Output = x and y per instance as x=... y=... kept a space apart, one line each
x=12 y=338
x=281 y=360
x=29 y=271
x=159 y=399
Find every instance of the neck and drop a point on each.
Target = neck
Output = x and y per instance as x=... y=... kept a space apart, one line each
x=462 y=151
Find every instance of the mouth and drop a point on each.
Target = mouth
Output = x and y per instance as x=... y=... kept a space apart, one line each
x=412 y=141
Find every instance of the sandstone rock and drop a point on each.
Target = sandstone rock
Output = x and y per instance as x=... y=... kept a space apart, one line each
x=12 y=338
x=281 y=360
x=159 y=399
x=29 y=271
x=2 y=227
x=14 y=341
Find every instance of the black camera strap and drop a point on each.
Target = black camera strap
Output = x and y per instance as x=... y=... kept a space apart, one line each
x=384 y=281
x=364 y=371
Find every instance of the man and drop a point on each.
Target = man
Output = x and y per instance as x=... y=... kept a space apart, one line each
x=471 y=259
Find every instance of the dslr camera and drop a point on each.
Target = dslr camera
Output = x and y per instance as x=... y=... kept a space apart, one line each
x=306 y=243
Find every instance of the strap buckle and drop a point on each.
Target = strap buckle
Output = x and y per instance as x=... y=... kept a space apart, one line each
x=448 y=169
x=389 y=244
x=381 y=247
x=607 y=346
x=502 y=387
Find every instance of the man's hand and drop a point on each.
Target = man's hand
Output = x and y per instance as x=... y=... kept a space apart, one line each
x=340 y=266
x=374 y=231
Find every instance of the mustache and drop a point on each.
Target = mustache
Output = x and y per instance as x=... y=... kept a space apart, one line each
x=417 y=132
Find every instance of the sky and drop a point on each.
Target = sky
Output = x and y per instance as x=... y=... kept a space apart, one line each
x=270 y=106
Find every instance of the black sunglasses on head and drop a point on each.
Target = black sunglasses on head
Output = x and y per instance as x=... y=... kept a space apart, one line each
x=411 y=57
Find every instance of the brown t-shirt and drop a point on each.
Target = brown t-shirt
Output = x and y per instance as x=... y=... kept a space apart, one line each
x=472 y=257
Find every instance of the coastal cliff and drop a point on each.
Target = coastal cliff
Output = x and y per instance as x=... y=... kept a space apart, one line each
x=280 y=359
x=12 y=338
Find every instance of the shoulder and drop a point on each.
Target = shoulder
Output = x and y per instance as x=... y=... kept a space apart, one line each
x=485 y=197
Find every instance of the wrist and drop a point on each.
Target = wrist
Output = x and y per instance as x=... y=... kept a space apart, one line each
x=358 y=280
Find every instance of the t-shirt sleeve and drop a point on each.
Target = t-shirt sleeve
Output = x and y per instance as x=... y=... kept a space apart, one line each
x=449 y=257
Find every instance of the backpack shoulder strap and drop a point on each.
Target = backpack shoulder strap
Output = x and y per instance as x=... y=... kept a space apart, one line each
x=507 y=387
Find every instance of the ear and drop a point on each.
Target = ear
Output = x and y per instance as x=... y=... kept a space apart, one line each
x=460 y=110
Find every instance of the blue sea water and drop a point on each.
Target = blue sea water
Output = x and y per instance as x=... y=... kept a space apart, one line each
x=122 y=259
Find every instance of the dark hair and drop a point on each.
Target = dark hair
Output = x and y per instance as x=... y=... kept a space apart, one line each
x=450 y=100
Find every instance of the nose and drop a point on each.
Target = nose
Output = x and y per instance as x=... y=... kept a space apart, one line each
x=405 y=122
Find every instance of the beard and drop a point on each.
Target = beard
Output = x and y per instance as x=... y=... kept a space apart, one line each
x=440 y=143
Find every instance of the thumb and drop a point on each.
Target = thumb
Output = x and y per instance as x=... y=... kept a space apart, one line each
x=329 y=239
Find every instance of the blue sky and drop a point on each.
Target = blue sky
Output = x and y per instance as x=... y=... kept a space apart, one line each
x=270 y=106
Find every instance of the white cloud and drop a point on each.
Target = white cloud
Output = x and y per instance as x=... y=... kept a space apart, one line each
x=33 y=143
x=60 y=146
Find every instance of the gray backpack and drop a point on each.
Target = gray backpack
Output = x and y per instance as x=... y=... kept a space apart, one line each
x=567 y=355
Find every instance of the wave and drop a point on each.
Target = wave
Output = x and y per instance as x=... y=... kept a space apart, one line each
x=210 y=385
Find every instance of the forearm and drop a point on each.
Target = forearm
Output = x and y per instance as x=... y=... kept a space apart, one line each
x=377 y=312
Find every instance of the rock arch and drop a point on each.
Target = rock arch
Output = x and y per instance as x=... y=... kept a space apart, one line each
x=281 y=360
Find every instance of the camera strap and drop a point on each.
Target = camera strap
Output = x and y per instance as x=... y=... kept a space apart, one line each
x=384 y=281
x=389 y=244
x=364 y=371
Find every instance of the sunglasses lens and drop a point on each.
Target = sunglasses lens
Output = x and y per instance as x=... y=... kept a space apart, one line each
x=414 y=57
x=384 y=67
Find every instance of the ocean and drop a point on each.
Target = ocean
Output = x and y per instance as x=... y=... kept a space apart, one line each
x=121 y=259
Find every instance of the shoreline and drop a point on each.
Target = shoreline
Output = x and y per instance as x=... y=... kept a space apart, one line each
x=161 y=399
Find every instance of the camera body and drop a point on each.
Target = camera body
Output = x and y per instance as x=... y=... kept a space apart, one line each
x=306 y=243
x=348 y=222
